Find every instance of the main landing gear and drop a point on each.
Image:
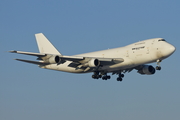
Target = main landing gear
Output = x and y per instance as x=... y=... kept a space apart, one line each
x=104 y=76
x=96 y=75
x=120 y=76
x=158 y=63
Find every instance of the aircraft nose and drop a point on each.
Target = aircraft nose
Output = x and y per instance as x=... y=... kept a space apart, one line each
x=170 y=49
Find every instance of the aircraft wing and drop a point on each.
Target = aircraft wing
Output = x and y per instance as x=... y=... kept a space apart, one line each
x=33 y=62
x=76 y=61
x=41 y=55
x=28 y=53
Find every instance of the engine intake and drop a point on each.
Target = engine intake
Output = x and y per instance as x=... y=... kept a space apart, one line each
x=147 y=69
x=54 y=60
x=93 y=63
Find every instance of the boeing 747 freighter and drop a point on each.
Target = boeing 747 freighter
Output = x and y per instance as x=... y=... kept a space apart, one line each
x=100 y=63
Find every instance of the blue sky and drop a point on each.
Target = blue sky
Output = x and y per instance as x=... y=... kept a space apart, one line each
x=80 y=26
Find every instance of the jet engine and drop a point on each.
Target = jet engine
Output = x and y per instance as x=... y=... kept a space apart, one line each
x=53 y=60
x=147 y=69
x=93 y=63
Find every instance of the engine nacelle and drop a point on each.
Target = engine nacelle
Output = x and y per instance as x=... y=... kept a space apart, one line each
x=93 y=63
x=147 y=69
x=54 y=60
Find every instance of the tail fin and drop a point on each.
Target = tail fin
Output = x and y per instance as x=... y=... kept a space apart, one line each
x=45 y=45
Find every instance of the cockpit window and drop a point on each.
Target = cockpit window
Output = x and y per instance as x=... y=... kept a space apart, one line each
x=162 y=40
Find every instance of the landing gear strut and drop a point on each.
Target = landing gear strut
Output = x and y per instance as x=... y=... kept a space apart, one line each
x=158 y=63
x=120 y=76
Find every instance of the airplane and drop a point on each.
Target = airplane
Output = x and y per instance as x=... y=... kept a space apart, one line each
x=116 y=61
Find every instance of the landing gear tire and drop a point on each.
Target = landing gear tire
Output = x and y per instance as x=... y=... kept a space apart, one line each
x=122 y=75
x=119 y=79
x=108 y=77
x=105 y=77
x=96 y=76
x=93 y=76
x=158 y=68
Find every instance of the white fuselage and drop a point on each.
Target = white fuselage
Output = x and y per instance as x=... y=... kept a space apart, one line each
x=135 y=54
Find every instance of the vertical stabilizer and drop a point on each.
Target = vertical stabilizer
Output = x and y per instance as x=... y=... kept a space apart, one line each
x=45 y=45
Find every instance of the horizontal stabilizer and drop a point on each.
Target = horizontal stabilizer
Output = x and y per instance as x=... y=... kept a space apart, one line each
x=32 y=62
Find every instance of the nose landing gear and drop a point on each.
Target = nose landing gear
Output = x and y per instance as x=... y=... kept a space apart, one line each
x=158 y=63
